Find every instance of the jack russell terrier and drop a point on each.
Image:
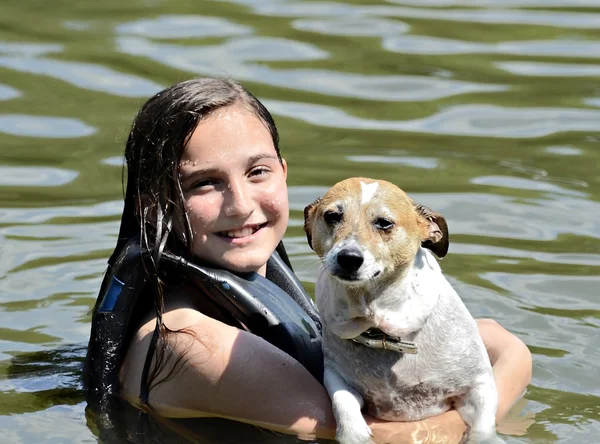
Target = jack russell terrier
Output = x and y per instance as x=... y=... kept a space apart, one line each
x=397 y=338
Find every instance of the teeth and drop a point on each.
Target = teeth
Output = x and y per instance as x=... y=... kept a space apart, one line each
x=244 y=232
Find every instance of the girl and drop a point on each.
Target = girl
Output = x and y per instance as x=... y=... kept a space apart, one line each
x=206 y=180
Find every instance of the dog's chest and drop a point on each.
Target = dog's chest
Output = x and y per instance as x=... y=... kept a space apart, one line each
x=395 y=386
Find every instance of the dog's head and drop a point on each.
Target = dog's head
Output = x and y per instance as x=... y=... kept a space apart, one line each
x=364 y=229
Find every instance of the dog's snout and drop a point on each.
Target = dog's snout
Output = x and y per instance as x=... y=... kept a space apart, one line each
x=350 y=259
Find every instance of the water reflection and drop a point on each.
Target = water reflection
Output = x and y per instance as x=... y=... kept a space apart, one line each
x=353 y=26
x=8 y=92
x=43 y=126
x=29 y=49
x=540 y=184
x=427 y=163
x=38 y=215
x=415 y=44
x=85 y=75
x=60 y=423
x=463 y=120
x=541 y=69
x=489 y=15
x=593 y=102
x=184 y=26
x=564 y=150
x=233 y=57
x=501 y=3
x=561 y=19
x=231 y=53
x=35 y=176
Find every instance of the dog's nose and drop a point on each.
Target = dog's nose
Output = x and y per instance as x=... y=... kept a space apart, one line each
x=350 y=259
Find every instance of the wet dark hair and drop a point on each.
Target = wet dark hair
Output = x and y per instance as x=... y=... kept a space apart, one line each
x=154 y=197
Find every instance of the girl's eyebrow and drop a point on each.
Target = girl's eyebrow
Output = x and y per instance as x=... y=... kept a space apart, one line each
x=210 y=170
x=257 y=157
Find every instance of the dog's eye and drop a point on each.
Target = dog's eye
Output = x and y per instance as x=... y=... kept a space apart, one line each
x=332 y=217
x=381 y=223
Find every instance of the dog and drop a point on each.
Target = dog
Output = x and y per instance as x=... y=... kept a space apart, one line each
x=397 y=338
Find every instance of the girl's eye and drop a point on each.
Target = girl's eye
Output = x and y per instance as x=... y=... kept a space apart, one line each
x=204 y=183
x=381 y=223
x=259 y=171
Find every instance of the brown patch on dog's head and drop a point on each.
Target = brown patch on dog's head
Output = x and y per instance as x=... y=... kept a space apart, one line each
x=377 y=216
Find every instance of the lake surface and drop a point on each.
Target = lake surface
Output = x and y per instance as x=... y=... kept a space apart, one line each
x=486 y=111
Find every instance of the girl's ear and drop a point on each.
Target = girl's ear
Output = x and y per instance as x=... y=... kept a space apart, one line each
x=284 y=165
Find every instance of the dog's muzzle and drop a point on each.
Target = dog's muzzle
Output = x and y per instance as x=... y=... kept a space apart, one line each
x=375 y=338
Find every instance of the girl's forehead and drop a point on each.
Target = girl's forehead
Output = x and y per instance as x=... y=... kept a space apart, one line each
x=227 y=135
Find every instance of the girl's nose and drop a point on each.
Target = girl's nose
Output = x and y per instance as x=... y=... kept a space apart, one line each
x=238 y=201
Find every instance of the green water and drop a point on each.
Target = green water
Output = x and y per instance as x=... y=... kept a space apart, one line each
x=486 y=111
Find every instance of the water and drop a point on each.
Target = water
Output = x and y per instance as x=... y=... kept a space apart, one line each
x=486 y=111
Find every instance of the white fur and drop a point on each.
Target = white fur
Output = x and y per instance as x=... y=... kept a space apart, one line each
x=452 y=363
x=368 y=190
x=347 y=404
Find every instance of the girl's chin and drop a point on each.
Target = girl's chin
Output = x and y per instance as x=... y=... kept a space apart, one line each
x=245 y=264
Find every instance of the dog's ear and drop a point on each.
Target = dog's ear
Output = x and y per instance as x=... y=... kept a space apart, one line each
x=308 y=210
x=437 y=241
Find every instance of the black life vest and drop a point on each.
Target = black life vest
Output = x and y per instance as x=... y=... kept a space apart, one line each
x=276 y=308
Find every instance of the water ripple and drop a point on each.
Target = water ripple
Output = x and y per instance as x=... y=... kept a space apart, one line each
x=26 y=244
x=540 y=69
x=264 y=49
x=427 y=163
x=502 y=3
x=61 y=423
x=43 y=126
x=29 y=49
x=353 y=26
x=114 y=161
x=415 y=44
x=460 y=120
x=538 y=184
x=184 y=26
x=564 y=150
x=44 y=214
x=8 y=92
x=593 y=102
x=503 y=15
x=503 y=252
x=562 y=19
x=31 y=176
x=85 y=75
x=228 y=58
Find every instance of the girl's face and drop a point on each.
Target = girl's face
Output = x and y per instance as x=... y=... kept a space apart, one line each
x=235 y=190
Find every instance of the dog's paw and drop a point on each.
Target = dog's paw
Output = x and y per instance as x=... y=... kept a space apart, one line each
x=484 y=437
x=355 y=432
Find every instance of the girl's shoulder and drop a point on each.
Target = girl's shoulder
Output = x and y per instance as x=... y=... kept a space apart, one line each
x=190 y=333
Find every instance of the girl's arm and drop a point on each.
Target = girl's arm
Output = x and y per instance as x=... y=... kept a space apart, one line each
x=232 y=374
x=511 y=362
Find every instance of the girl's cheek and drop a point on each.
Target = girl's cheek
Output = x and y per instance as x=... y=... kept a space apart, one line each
x=203 y=212
x=277 y=202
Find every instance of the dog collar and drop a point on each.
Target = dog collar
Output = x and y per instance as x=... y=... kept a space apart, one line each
x=375 y=338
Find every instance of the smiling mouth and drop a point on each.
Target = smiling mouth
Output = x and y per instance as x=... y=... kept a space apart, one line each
x=242 y=232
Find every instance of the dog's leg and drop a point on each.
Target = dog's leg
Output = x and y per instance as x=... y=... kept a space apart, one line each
x=351 y=427
x=478 y=409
